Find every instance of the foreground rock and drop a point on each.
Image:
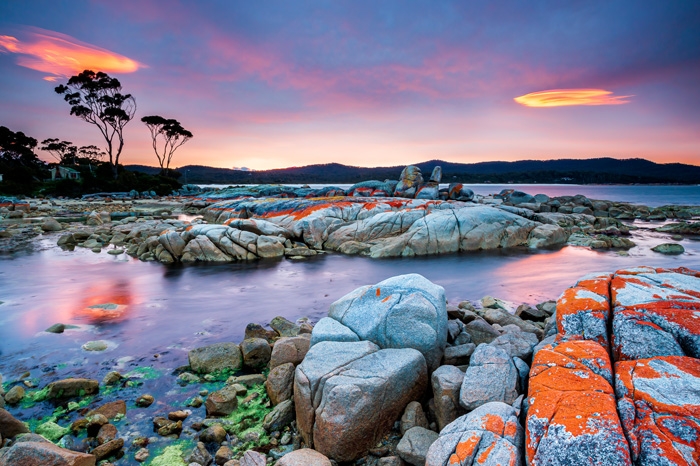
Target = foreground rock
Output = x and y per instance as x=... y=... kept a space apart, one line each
x=355 y=392
x=489 y=435
x=43 y=454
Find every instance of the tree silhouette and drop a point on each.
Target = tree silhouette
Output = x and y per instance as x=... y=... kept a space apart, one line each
x=97 y=99
x=17 y=147
x=63 y=151
x=174 y=136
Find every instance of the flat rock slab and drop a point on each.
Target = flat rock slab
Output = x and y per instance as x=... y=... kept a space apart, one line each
x=584 y=309
x=659 y=405
x=43 y=454
x=656 y=313
x=354 y=392
x=572 y=418
x=490 y=435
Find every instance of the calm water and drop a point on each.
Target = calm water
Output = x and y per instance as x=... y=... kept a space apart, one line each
x=173 y=309
x=652 y=196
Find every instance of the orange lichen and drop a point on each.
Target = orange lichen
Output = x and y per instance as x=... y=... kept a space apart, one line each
x=379 y=293
x=485 y=454
x=465 y=449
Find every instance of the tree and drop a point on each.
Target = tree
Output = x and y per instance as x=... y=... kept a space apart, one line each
x=88 y=155
x=17 y=147
x=20 y=166
x=174 y=136
x=63 y=151
x=97 y=99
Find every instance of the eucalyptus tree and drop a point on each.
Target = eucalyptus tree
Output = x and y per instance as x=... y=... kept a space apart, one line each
x=173 y=135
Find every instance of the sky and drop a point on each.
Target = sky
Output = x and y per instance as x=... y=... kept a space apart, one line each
x=272 y=84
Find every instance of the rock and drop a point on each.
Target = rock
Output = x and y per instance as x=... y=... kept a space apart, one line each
x=354 y=391
x=489 y=435
x=280 y=383
x=43 y=454
x=249 y=381
x=659 y=401
x=215 y=435
x=547 y=235
x=458 y=192
x=110 y=410
x=112 y=378
x=95 y=423
x=223 y=454
x=584 y=309
x=179 y=415
x=51 y=431
x=257 y=331
x=222 y=402
x=447 y=383
x=414 y=445
x=96 y=345
x=216 y=357
x=269 y=247
x=94 y=219
x=173 y=243
x=14 y=395
x=9 y=426
x=407 y=311
x=200 y=455
x=141 y=455
x=304 y=457
x=66 y=240
x=517 y=344
x=413 y=416
x=572 y=418
x=51 y=224
x=481 y=331
x=503 y=318
x=281 y=416
x=428 y=191
x=669 y=248
x=491 y=376
x=459 y=354
x=289 y=349
x=256 y=352
x=106 y=434
x=436 y=175
x=284 y=327
x=144 y=401
x=411 y=177
x=328 y=329
x=201 y=248
x=108 y=449
x=72 y=387
x=655 y=313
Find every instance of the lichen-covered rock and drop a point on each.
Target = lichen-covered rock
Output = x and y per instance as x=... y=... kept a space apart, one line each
x=72 y=387
x=354 y=392
x=572 y=417
x=202 y=249
x=489 y=435
x=409 y=180
x=491 y=376
x=659 y=404
x=407 y=311
x=656 y=313
x=584 y=309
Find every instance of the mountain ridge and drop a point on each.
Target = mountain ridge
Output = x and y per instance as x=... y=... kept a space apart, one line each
x=603 y=170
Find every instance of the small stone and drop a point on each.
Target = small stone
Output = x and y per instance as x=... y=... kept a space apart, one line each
x=223 y=454
x=214 y=434
x=106 y=433
x=141 y=455
x=56 y=328
x=14 y=395
x=178 y=415
x=222 y=402
x=144 y=401
x=112 y=378
x=108 y=449
x=669 y=249
x=96 y=345
x=200 y=455
x=284 y=327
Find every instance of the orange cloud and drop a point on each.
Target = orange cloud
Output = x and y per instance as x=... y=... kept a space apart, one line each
x=60 y=55
x=567 y=97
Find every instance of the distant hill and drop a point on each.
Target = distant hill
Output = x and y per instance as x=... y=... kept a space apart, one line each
x=575 y=171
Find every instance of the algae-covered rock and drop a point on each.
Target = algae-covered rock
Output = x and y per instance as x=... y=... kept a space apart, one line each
x=52 y=431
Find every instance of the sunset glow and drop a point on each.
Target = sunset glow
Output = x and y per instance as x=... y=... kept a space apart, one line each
x=61 y=55
x=568 y=97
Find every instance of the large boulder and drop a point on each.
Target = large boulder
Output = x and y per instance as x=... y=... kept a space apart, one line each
x=72 y=387
x=289 y=349
x=411 y=177
x=280 y=383
x=43 y=454
x=9 y=426
x=490 y=435
x=328 y=329
x=659 y=404
x=407 y=311
x=572 y=417
x=656 y=313
x=354 y=392
x=491 y=376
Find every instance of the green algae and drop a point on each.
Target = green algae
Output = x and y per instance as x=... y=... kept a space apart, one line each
x=144 y=372
x=248 y=419
x=33 y=397
x=170 y=455
x=51 y=431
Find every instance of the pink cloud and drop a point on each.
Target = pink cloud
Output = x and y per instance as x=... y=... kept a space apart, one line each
x=569 y=97
x=61 y=55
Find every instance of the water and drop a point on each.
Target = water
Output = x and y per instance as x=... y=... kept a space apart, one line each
x=182 y=307
x=649 y=195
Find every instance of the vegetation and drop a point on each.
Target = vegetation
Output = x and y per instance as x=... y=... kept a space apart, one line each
x=97 y=99
x=21 y=169
x=173 y=135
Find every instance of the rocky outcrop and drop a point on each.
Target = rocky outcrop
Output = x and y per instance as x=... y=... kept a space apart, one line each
x=489 y=435
x=572 y=418
x=354 y=391
x=584 y=309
